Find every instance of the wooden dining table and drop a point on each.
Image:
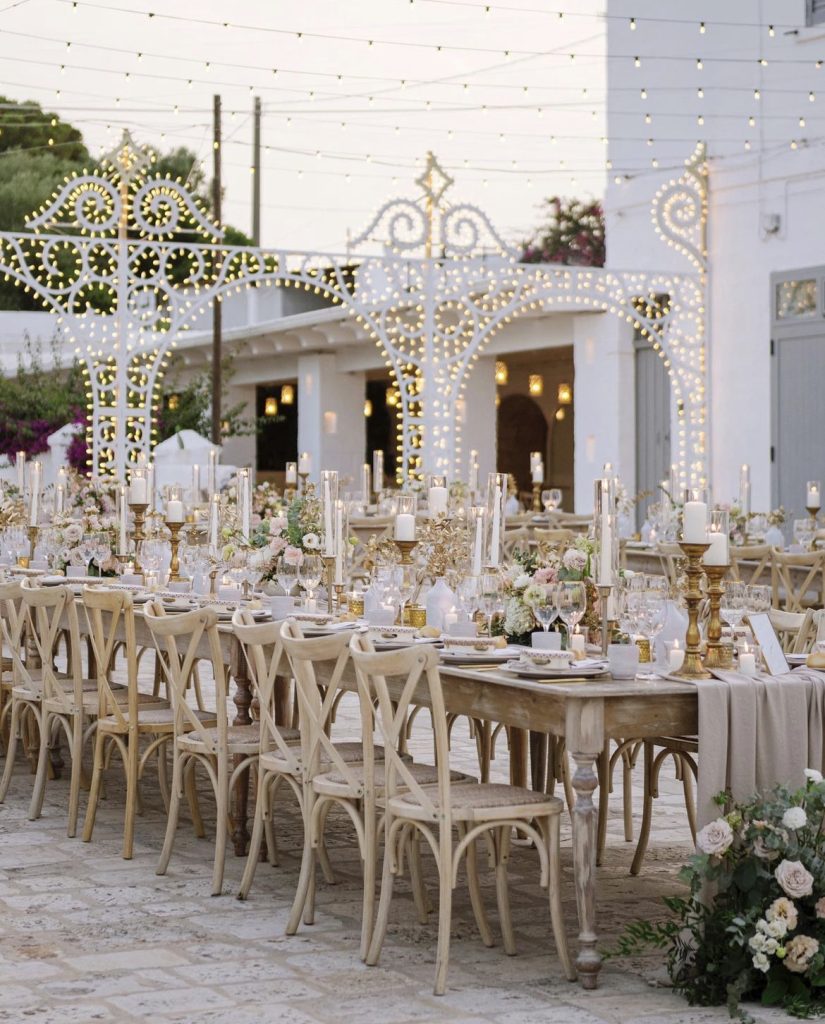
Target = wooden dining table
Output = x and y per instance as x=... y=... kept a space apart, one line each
x=586 y=713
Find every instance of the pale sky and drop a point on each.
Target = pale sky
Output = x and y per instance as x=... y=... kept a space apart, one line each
x=335 y=148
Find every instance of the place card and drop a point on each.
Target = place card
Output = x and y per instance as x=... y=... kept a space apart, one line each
x=765 y=635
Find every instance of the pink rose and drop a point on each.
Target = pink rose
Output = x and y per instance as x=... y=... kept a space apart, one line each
x=794 y=878
x=293 y=556
x=799 y=953
x=715 y=838
x=547 y=575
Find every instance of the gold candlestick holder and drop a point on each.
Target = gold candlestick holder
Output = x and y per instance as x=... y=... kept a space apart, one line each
x=406 y=548
x=339 y=592
x=716 y=656
x=692 y=667
x=604 y=599
x=813 y=515
x=302 y=488
x=138 y=535
x=33 y=532
x=289 y=495
x=329 y=574
x=537 y=497
x=213 y=583
x=174 y=564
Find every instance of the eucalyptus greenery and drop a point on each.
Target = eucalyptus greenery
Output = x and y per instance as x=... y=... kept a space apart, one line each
x=752 y=925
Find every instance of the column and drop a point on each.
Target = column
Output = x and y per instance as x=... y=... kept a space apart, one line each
x=478 y=417
x=331 y=425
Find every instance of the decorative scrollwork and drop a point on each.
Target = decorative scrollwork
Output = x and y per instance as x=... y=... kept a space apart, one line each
x=680 y=210
x=87 y=203
x=162 y=208
x=405 y=230
x=463 y=231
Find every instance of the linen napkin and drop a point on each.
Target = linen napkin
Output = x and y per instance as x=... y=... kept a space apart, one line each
x=755 y=733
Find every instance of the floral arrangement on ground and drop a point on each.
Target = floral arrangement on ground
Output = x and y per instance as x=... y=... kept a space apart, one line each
x=753 y=925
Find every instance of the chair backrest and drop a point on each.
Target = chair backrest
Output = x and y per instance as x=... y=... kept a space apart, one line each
x=181 y=641
x=110 y=615
x=51 y=611
x=328 y=655
x=671 y=557
x=796 y=630
x=12 y=631
x=518 y=539
x=390 y=681
x=558 y=535
x=749 y=563
x=797 y=579
x=263 y=650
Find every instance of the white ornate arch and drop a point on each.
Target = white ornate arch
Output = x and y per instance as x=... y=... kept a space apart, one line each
x=128 y=262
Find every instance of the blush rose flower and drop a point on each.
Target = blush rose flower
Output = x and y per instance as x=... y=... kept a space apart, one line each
x=794 y=879
x=783 y=909
x=715 y=838
x=574 y=560
x=549 y=574
x=293 y=556
x=799 y=952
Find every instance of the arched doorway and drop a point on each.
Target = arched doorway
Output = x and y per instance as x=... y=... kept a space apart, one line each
x=522 y=428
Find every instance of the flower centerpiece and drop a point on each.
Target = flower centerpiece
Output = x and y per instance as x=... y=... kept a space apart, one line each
x=761 y=934
x=295 y=529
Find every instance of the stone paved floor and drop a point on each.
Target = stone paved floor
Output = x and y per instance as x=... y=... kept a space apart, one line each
x=87 y=937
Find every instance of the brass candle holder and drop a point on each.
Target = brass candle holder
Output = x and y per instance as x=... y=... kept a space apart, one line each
x=717 y=655
x=138 y=535
x=692 y=667
x=329 y=574
x=213 y=583
x=813 y=515
x=339 y=593
x=33 y=532
x=537 y=497
x=302 y=488
x=604 y=600
x=406 y=548
x=174 y=564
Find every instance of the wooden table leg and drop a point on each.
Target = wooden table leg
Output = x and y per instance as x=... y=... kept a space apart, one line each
x=519 y=749
x=239 y=803
x=585 y=740
x=538 y=761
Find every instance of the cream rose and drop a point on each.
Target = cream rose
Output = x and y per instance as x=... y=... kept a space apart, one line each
x=795 y=818
x=794 y=878
x=783 y=910
x=799 y=952
x=715 y=838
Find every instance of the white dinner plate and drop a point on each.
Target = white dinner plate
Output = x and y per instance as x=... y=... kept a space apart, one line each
x=796 y=659
x=76 y=581
x=589 y=667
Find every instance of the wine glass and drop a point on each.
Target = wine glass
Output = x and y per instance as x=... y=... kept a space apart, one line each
x=653 y=615
x=733 y=604
x=758 y=599
x=489 y=589
x=286 y=573
x=467 y=591
x=87 y=548
x=803 y=532
x=571 y=602
x=407 y=579
x=310 y=572
x=102 y=548
x=543 y=603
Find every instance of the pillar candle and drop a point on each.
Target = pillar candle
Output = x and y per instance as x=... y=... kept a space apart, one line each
x=495 y=538
x=747 y=661
x=535 y=458
x=291 y=476
x=813 y=495
x=745 y=488
x=211 y=472
x=478 y=545
x=174 y=511
x=717 y=553
x=137 y=490
x=404 y=526
x=339 y=542
x=214 y=516
x=378 y=470
x=304 y=463
x=121 y=521
x=245 y=497
x=606 y=552
x=329 y=533
x=538 y=473
x=365 y=482
x=695 y=522
x=196 y=483
x=437 y=501
x=34 y=487
x=150 y=485
x=577 y=642
x=20 y=466
x=59 y=499
x=676 y=657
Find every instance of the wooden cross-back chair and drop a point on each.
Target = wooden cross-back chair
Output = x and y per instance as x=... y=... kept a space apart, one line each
x=225 y=752
x=797 y=580
x=750 y=563
x=389 y=682
x=123 y=719
x=280 y=753
x=21 y=686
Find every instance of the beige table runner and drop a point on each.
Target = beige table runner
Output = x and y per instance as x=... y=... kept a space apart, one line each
x=757 y=733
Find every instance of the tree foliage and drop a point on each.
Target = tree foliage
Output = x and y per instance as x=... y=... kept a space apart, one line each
x=189 y=406
x=573 y=234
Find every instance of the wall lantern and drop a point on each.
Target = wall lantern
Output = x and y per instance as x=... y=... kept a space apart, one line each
x=565 y=394
x=368 y=408
x=535 y=384
x=502 y=373
x=287 y=394
x=270 y=406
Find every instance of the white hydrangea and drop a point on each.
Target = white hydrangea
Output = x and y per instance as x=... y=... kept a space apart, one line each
x=522 y=581
x=517 y=618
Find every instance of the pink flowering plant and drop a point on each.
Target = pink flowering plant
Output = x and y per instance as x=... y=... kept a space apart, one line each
x=753 y=925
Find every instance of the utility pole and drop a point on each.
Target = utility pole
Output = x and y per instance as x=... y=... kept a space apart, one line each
x=256 y=172
x=217 y=317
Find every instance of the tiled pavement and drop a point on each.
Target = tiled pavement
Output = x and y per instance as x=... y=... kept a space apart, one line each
x=88 y=937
